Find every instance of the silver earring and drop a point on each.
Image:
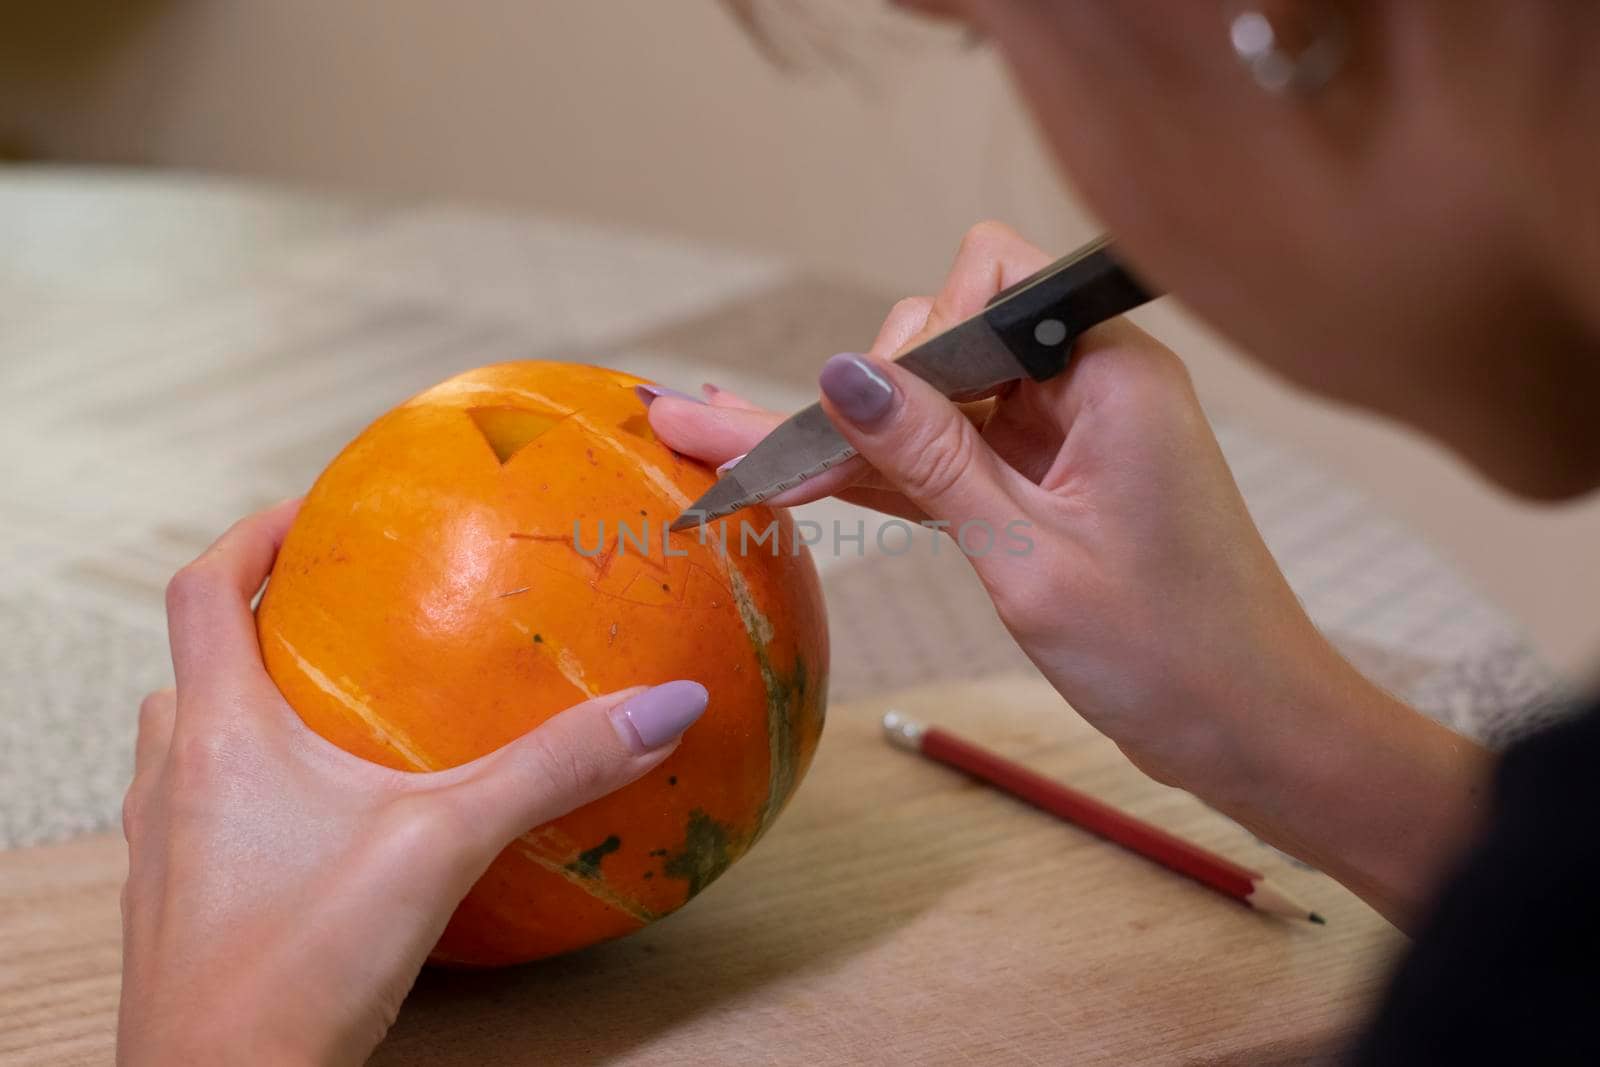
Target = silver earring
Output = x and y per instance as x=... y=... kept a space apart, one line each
x=1284 y=55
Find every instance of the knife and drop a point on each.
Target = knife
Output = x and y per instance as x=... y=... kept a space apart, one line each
x=1027 y=330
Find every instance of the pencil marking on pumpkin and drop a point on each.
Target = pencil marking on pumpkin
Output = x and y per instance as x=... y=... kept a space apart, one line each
x=642 y=590
x=619 y=598
x=719 y=556
x=600 y=560
x=644 y=557
x=384 y=732
x=727 y=590
x=603 y=561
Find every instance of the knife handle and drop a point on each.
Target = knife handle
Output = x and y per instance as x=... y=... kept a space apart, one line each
x=1040 y=317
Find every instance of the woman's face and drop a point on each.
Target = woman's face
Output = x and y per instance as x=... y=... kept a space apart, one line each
x=1386 y=241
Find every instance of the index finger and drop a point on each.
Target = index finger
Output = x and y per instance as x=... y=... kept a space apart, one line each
x=992 y=257
x=210 y=625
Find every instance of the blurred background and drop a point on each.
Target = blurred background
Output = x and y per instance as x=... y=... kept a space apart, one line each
x=857 y=157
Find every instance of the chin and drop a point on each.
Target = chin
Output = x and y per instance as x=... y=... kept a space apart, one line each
x=1539 y=472
x=1524 y=425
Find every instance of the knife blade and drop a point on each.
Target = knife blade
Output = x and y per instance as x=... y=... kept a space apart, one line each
x=1026 y=330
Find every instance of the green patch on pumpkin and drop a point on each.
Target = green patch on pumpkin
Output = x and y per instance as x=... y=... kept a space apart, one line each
x=588 y=862
x=786 y=700
x=791 y=700
x=707 y=850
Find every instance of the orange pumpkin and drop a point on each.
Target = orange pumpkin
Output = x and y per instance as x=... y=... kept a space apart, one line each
x=446 y=588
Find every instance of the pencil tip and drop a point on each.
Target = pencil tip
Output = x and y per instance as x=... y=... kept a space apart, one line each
x=1319 y=920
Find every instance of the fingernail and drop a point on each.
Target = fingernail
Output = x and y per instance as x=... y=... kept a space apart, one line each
x=857 y=391
x=647 y=393
x=658 y=715
x=728 y=466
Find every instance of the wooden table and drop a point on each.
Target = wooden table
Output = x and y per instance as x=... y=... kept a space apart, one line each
x=898 y=913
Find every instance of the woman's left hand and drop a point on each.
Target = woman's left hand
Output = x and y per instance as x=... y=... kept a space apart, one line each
x=282 y=894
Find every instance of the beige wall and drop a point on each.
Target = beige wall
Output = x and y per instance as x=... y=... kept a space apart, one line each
x=660 y=114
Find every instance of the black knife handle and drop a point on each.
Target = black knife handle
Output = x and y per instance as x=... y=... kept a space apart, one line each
x=1040 y=317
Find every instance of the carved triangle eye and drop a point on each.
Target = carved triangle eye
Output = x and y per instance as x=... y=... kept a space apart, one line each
x=508 y=430
x=639 y=426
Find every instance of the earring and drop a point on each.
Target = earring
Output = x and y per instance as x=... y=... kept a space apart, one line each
x=1289 y=47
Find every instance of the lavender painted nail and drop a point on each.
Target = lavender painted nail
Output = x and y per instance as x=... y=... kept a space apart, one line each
x=728 y=466
x=657 y=715
x=857 y=390
x=647 y=393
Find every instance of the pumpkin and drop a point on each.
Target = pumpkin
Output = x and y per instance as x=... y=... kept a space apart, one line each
x=471 y=564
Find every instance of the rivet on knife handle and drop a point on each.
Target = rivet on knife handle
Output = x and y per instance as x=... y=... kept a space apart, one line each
x=1040 y=317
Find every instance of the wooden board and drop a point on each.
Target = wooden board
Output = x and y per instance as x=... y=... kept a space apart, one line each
x=898 y=913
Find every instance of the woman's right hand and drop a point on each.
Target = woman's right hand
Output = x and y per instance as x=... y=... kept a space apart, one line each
x=1147 y=597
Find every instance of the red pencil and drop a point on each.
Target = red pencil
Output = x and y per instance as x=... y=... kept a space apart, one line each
x=1246 y=886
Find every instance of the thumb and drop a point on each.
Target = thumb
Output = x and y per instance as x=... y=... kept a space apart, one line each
x=918 y=440
x=580 y=755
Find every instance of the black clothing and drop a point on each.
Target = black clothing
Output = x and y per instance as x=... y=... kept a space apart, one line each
x=1507 y=968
